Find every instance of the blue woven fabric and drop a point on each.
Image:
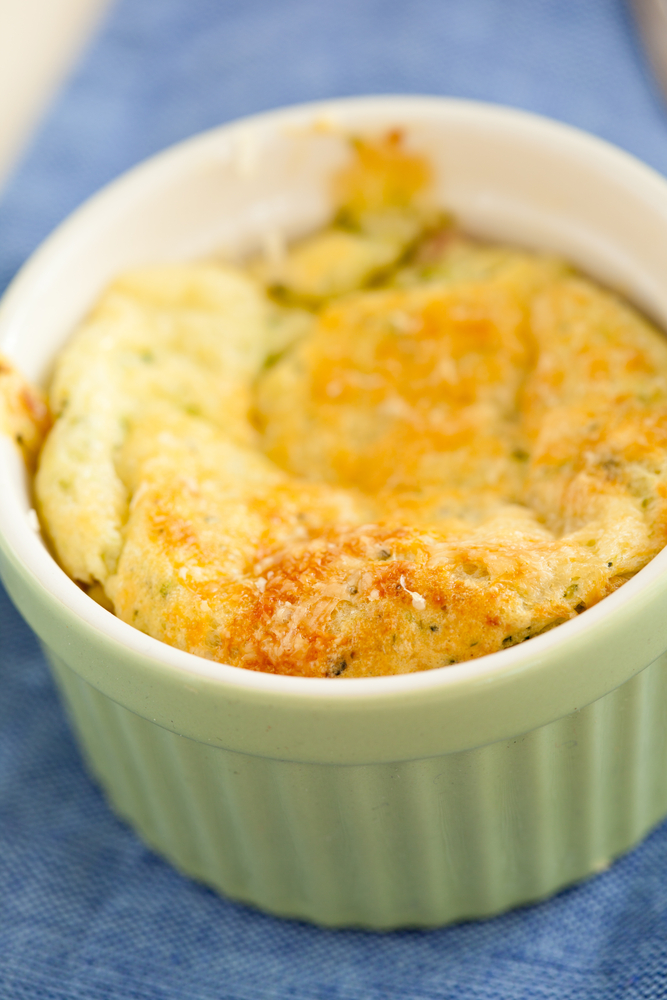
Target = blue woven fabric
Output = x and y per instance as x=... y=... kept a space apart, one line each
x=86 y=911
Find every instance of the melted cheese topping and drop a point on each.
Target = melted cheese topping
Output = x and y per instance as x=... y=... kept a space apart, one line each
x=452 y=448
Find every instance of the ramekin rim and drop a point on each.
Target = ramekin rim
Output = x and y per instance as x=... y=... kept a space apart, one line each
x=31 y=553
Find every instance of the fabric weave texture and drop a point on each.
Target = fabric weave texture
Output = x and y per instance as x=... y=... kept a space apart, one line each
x=86 y=911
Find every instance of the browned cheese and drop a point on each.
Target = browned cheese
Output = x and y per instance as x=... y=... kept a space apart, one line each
x=391 y=448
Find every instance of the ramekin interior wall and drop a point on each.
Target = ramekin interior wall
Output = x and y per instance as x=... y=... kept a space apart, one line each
x=504 y=174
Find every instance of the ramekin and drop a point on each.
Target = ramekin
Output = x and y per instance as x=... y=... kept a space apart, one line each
x=395 y=801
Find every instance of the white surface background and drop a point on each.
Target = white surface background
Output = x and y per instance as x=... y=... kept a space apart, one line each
x=39 y=41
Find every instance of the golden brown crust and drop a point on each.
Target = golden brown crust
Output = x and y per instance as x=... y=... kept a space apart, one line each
x=411 y=475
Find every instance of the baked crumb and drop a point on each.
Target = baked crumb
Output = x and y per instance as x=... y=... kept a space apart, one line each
x=24 y=414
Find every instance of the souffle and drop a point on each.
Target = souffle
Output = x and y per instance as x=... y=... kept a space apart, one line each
x=388 y=447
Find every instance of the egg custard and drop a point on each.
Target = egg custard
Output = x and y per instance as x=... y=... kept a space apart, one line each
x=388 y=448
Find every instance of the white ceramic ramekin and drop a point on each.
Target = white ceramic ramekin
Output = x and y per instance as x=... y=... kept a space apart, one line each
x=409 y=800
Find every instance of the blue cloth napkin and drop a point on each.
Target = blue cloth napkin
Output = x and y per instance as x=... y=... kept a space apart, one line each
x=86 y=911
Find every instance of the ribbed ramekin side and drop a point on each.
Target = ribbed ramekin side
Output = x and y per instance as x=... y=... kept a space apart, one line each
x=413 y=843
